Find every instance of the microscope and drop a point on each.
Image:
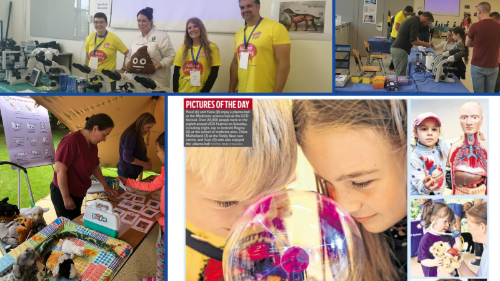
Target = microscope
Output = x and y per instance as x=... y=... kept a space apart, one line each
x=152 y=85
x=125 y=82
x=14 y=64
x=94 y=77
x=441 y=69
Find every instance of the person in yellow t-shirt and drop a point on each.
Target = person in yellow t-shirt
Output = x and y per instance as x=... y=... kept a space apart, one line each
x=104 y=45
x=264 y=63
x=398 y=20
x=199 y=55
x=389 y=18
x=222 y=182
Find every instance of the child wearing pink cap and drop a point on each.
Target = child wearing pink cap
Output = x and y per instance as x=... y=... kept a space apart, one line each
x=429 y=157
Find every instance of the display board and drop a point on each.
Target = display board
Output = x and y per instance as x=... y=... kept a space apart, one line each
x=27 y=132
x=218 y=16
x=447 y=7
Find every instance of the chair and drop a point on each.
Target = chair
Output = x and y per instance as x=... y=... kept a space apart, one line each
x=359 y=63
x=371 y=57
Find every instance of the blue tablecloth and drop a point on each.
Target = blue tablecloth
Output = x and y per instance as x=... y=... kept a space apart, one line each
x=426 y=84
x=380 y=46
x=367 y=88
x=416 y=236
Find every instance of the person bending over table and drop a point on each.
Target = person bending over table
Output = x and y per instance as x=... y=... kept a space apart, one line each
x=408 y=36
x=398 y=20
x=76 y=160
x=133 y=152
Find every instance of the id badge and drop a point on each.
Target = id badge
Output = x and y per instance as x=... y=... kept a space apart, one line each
x=195 y=77
x=244 y=57
x=93 y=62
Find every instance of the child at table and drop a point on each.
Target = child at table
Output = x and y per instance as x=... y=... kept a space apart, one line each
x=447 y=45
x=221 y=182
x=437 y=217
x=463 y=52
x=429 y=157
x=158 y=183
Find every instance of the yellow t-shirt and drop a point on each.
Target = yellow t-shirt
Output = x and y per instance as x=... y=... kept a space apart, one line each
x=399 y=18
x=202 y=65
x=262 y=65
x=388 y=19
x=106 y=52
x=196 y=262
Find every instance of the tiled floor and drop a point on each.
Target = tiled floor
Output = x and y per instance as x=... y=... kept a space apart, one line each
x=467 y=81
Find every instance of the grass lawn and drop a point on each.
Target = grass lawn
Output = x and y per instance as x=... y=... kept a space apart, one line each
x=40 y=177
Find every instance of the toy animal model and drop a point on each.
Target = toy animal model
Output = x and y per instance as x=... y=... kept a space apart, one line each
x=65 y=268
x=8 y=212
x=26 y=267
x=70 y=247
x=36 y=213
x=296 y=18
x=451 y=259
x=8 y=232
x=27 y=231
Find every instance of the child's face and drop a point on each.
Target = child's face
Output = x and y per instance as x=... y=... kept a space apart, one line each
x=449 y=36
x=455 y=37
x=441 y=224
x=208 y=208
x=427 y=132
x=368 y=177
x=160 y=153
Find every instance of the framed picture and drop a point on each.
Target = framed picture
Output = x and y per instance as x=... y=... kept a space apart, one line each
x=153 y=204
x=467 y=6
x=304 y=20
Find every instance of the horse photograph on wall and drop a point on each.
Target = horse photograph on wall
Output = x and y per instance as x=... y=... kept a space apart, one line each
x=303 y=16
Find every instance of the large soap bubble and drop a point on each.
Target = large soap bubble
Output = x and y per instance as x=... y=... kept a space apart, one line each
x=294 y=235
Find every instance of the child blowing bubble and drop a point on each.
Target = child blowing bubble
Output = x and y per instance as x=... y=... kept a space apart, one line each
x=152 y=186
x=429 y=157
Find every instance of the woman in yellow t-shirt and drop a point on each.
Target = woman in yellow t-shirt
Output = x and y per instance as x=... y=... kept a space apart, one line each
x=197 y=61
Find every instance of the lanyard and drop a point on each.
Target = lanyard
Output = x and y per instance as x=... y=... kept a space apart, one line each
x=95 y=39
x=192 y=55
x=249 y=37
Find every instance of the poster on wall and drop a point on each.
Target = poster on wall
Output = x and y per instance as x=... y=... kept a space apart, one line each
x=370 y=11
x=27 y=132
x=303 y=16
x=305 y=20
x=369 y=18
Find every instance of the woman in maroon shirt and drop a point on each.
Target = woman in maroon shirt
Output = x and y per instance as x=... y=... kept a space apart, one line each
x=76 y=160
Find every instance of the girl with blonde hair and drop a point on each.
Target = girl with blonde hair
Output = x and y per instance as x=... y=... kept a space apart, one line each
x=357 y=149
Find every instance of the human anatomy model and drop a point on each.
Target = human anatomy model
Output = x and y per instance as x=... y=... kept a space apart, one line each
x=468 y=156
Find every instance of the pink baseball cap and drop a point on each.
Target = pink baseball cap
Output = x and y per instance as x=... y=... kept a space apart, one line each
x=422 y=116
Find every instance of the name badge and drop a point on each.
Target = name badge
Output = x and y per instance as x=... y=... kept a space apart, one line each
x=244 y=57
x=195 y=77
x=93 y=62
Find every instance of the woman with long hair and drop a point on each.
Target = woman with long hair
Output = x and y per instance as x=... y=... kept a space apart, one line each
x=197 y=61
x=132 y=150
x=357 y=149
x=458 y=35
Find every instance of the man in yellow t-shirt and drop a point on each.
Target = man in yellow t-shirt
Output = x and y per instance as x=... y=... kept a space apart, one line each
x=103 y=45
x=264 y=63
x=183 y=69
x=398 y=20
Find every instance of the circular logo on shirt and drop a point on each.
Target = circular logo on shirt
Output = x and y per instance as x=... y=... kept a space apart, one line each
x=106 y=46
x=187 y=67
x=202 y=55
x=99 y=54
x=250 y=48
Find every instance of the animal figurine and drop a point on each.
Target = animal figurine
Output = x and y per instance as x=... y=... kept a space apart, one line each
x=25 y=232
x=8 y=232
x=296 y=18
x=141 y=62
x=51 y=260
x=70 y=247
x=8 y=212
x=26 y=267
x=36 y=213
x=451 y=259
x=65 y=268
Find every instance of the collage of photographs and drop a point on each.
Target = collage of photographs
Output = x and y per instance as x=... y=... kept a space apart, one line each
x=357 y=189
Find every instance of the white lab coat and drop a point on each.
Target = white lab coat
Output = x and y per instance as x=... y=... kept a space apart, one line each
x=160 y=49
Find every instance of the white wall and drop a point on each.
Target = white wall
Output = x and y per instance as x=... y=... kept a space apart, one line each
x=495 y=7
x=17 y=29
x=311 y=61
